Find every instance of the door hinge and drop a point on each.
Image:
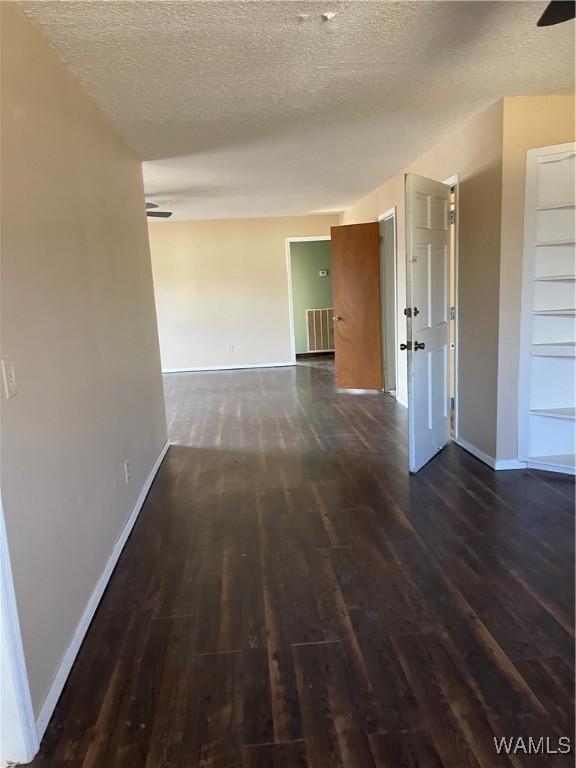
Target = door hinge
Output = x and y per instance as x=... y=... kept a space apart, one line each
x=452 y=216
x=452 y=313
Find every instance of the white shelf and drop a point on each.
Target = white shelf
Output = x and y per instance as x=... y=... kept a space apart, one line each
x=555 y=413
x=555 y=207
x=548 y=346
x=556 y=278
x=544 y=243
x=563 y=463
x=556 y=349
x=554 y=312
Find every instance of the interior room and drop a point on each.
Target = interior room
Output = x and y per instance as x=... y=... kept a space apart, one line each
x=311 y=311
x=288 y=436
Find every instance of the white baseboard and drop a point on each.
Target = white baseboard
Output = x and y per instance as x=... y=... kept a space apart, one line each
x=545 y=467
x=497 y=464
x=66 y=664
x=402 y=402
x=510 y=464
x=227 y=367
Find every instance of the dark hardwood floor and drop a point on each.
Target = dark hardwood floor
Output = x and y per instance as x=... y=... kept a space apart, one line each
x=291 y=597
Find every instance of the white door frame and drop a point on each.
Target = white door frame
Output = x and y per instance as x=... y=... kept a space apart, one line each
x=391 y=214
x=18 y=733
x=454 y=181
x=289 y=241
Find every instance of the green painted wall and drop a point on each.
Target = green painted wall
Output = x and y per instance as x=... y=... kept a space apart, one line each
x=309 y=291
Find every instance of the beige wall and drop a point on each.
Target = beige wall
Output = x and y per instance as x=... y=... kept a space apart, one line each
x=78 y=319
x=474 y=152
x=222 y=284
x=529 y=121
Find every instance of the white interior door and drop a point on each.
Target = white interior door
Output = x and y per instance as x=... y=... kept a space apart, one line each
x=428 y=321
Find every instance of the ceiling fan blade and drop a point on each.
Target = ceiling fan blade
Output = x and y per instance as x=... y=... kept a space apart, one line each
x=159 y=214
x=556 y=12
x=151 y=205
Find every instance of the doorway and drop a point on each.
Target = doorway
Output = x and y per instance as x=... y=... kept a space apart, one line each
x=389 y=299
x=309 y=268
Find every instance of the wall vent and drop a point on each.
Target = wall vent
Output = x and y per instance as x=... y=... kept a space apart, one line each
x=320 y=330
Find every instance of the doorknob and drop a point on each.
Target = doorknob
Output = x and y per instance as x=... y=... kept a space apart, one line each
x=418 y=345
x=337 y=317
x=406 y=346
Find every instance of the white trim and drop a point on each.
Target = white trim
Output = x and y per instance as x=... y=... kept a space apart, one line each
x=497 y=464
x=545 y=467
x=402 y=402
x=510 y=464
x=391 y=213
x=310 y=239
x=26 y=740
x=526 y=301
x=239 y=367
x=343 y=391
x=290 y=304
x=454 y=181
x=66 y=664
x=289 y=240
x=476 y=452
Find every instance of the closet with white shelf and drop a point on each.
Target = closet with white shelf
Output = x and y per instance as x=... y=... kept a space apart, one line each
x=547 y=438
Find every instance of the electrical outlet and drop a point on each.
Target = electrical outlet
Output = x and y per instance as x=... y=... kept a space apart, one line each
x=127 y=474
x=9 y=377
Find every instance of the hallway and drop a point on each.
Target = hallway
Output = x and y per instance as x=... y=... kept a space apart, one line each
x=290 y=596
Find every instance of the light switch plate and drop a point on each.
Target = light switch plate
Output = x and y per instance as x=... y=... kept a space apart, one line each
x=9 y=377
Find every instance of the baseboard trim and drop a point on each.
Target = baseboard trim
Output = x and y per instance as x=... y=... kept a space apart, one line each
x=227 y=367
x=344 y=391
x=510 y=464
x=71 y=652
x=402 y=402
x=561 y=469
x=497 y=464
x=476 y=452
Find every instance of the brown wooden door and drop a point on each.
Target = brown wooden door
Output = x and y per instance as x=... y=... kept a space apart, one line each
x=356 y=291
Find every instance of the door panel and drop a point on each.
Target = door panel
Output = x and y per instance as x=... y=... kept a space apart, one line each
x=439 y=280
x=356 y=292
x=428 y=296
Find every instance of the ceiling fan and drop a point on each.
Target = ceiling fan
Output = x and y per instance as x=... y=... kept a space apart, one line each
x=158 y=214
x=556 y=12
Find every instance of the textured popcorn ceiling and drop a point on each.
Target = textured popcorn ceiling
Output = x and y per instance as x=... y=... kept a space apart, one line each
x=265 y=108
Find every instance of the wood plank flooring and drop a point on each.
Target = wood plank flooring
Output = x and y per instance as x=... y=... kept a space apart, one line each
x=291 y=598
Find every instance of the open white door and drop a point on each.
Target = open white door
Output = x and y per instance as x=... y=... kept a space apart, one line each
x=428 y=317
